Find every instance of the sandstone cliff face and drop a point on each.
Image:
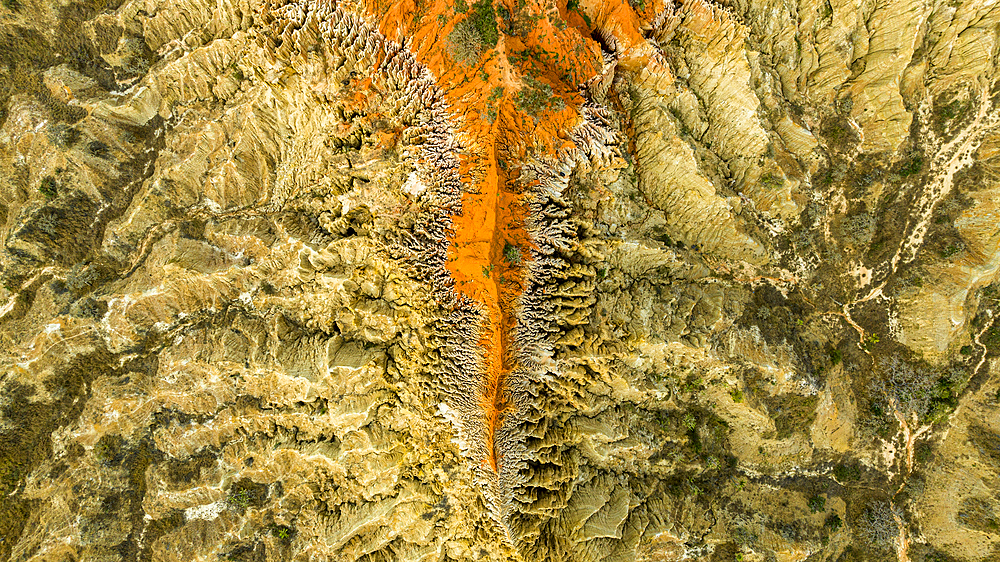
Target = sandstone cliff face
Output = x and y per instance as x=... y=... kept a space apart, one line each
x=311 y=280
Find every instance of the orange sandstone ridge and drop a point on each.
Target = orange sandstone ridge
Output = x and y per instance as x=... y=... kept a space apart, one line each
x=516 y=101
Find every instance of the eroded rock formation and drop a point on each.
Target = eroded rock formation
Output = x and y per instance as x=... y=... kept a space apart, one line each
x=378 y=280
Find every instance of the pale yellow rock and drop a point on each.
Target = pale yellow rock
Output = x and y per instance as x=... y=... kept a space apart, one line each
x=671 y=180
x=836 y=415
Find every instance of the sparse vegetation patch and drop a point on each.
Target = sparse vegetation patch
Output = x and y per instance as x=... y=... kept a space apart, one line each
x=536 y=96
x=512 y=254
x=465 y=43
x=878 y=525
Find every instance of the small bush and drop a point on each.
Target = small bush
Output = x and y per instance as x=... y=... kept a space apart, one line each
x=48 y=187
x=771 y=181
x=878 y=526
x=952 y=249
x=844 y=473
x=693 y=384
x=744 y=536
x=978 y=514
x=512 y=254
x=817 y=504
x=944 y=113
x=952 y=110
x=835 y=356
x=239 y=499
x=99 y=149
x=924 y=453
x=792 y=413
x=574 y=5
x=245 y=493
x=912 y=166
x=110 y=450
x=868 y=344
x=283 y=533
x=464 y=42
x=839 y=133
x=991 y=339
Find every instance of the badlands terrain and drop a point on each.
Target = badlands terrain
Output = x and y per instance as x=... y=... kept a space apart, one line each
x=503 y=280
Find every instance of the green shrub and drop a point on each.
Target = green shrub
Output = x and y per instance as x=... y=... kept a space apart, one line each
x=991 y=339
x=574 y=5
x=835 y=356
x=240 y=498
x=924 y=453
x=48 y=187
x=952 y=249
x=474 y=34
x=944 y=113
x=512 y=254
x=868 y=344
x=245 y=493
x=110 y=450
x=839 y=133
x=817 y=504
x=844 y=473
x=952 y=110
x=771 y=181
x=912 y=166
x=283 y=533
x=484 y=18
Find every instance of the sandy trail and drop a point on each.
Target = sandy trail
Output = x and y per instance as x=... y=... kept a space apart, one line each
x=952 y=157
